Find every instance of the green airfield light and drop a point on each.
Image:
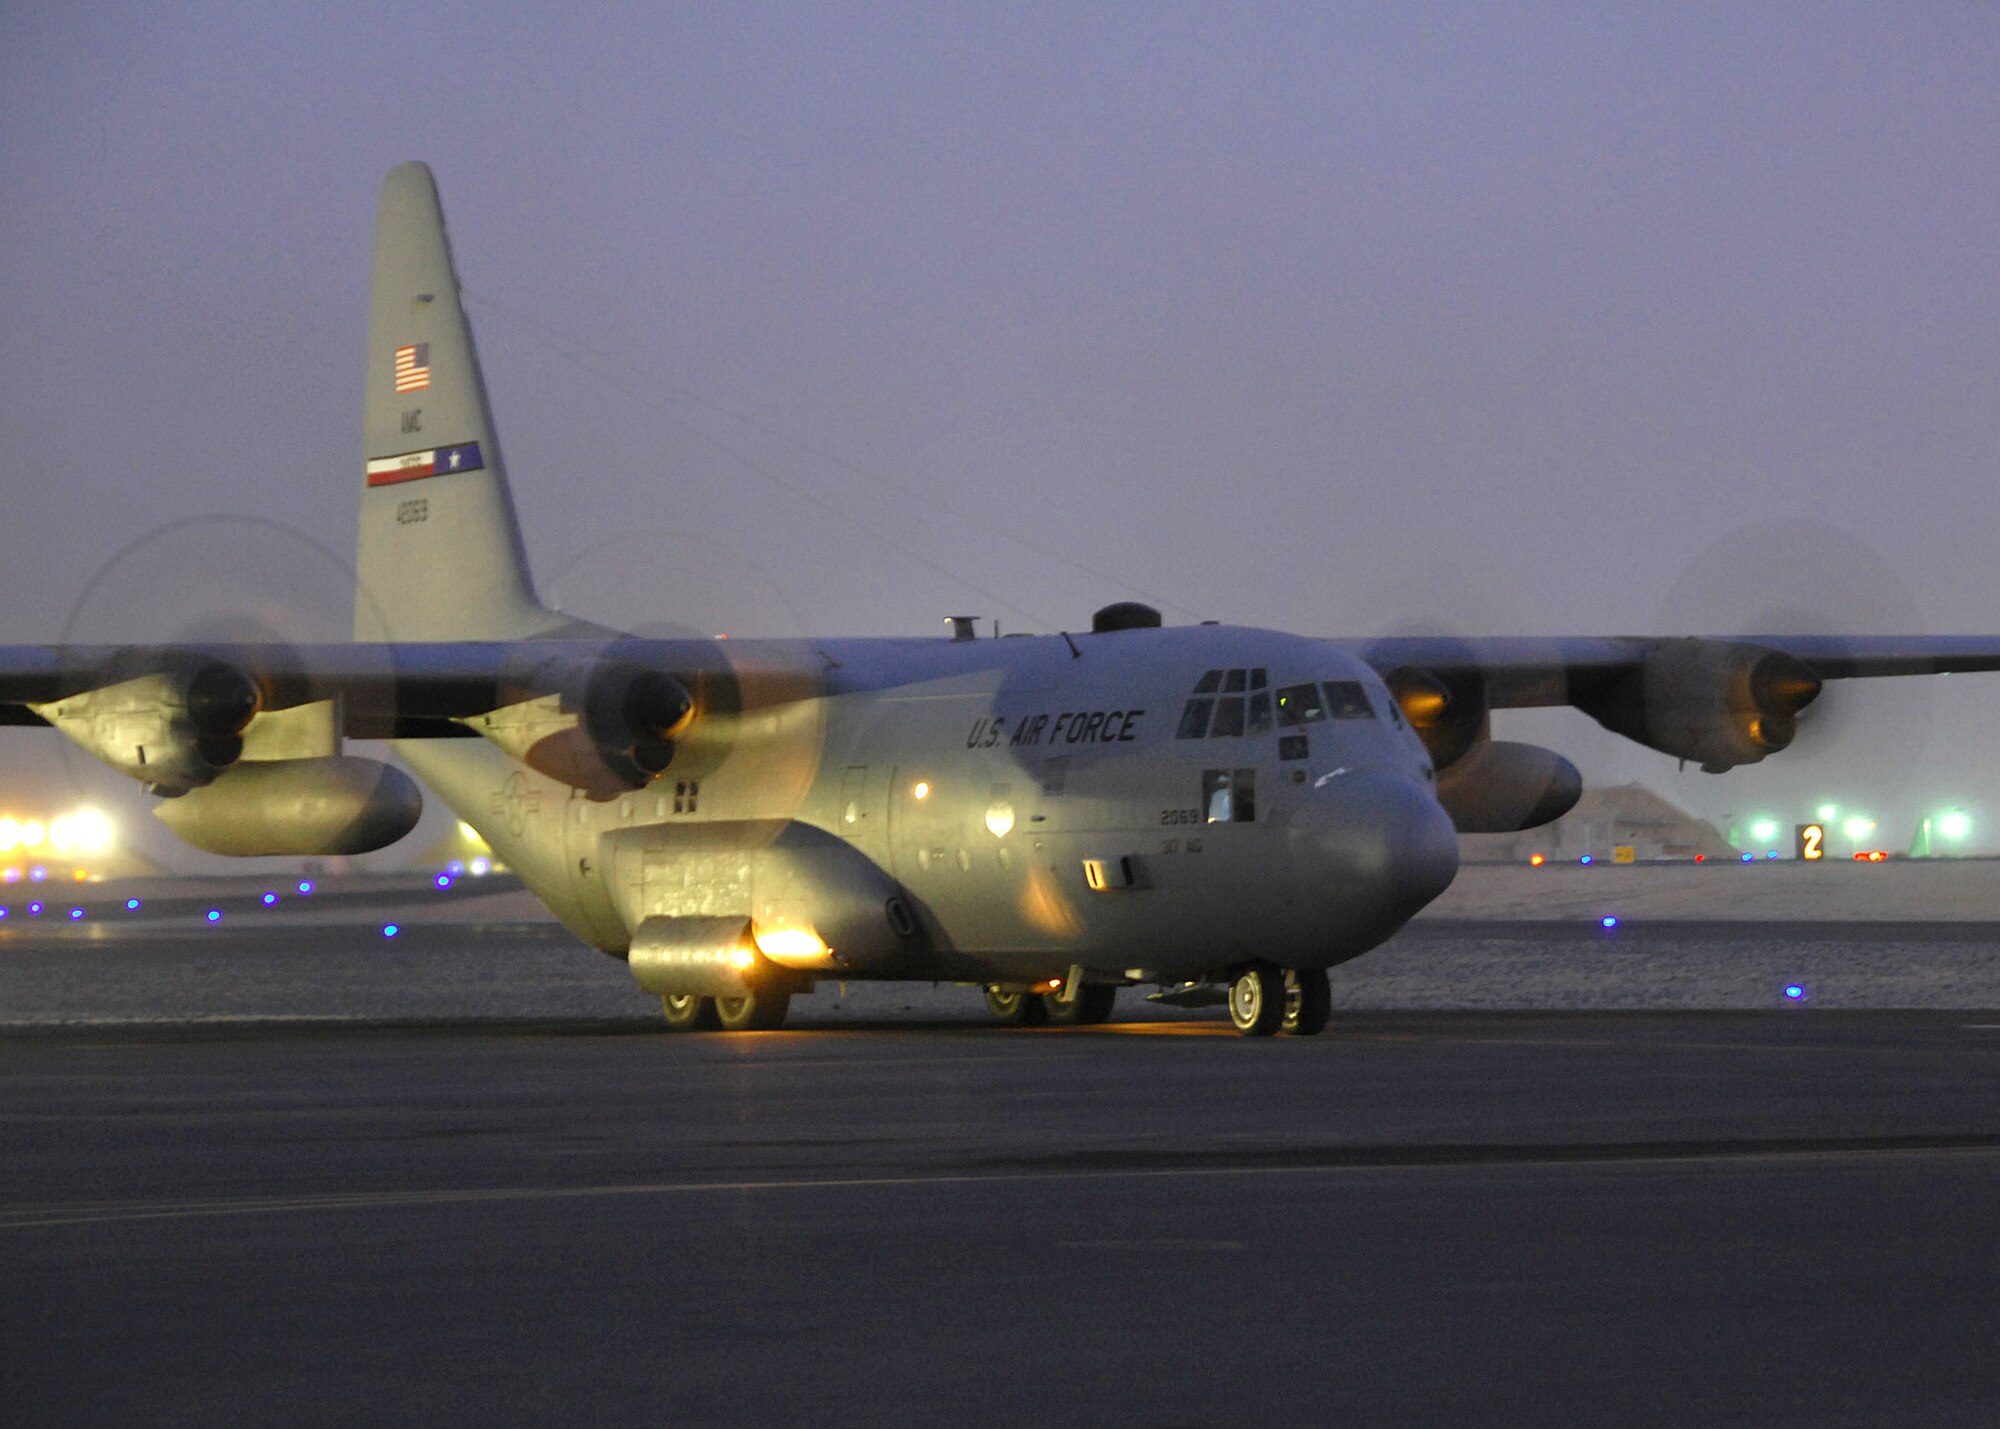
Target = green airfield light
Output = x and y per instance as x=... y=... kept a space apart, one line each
x=1827 y=813
x=1764 y=830
x=1858 y=828
x=1954 y=824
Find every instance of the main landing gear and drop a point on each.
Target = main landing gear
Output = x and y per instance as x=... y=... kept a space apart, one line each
x=1264 y=999
x=1022 y=1007
x=758 y=1012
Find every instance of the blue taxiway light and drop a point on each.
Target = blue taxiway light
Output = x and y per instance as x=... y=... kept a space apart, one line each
x=38 y=874
x=1608 y=921
x=1794 y=991
x=443 y=880
x=132 y=904
x=390 y=930
x=1749 y=858
x=1584 y=859
x=305 y=885
x=215 y=915
x=34 y=910
x=74 y=914
x=269 y=899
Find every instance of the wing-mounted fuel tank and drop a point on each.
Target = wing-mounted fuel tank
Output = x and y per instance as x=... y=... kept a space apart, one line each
x=808 y=900
x=330 y=804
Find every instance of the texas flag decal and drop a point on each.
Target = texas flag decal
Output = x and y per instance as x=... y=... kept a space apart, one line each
x=413 y=367
x=388 y=470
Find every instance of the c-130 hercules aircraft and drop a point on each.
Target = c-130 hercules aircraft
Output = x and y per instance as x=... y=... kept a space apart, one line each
x=1049 y=817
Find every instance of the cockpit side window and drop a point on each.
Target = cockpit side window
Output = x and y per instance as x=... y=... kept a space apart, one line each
x=1299 y=705
x=1260 y=711
x=1194 y=719
x=1347 y=700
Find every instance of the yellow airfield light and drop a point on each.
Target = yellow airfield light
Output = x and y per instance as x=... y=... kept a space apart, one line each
x=33 y=835
x=10 y=834
x=920 y=790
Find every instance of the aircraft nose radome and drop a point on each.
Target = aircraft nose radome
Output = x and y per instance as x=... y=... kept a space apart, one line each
x=1379 y=844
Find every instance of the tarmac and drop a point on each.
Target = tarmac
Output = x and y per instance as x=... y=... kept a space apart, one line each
x=310 y=1207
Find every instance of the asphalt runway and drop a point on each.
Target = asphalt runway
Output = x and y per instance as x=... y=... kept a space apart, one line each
x=1420 y=1218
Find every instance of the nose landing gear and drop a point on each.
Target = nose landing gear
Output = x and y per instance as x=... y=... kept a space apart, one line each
x=1264 y=999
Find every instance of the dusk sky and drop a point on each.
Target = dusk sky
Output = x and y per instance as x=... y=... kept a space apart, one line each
x=1496 y=319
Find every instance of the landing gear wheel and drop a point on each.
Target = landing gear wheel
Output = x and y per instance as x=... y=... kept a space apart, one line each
x=758 y=1012
x=1091 y=1006
x=1014 y=1008
x=1257 y=1000
x=688 y=1013
x=1308 y=1002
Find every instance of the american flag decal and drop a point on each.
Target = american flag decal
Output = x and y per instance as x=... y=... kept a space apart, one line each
x=413 y=367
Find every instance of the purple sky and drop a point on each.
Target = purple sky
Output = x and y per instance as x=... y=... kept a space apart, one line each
x=1491 y=319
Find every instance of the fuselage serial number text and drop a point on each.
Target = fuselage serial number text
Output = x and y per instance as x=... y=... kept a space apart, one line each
x=1069 y=727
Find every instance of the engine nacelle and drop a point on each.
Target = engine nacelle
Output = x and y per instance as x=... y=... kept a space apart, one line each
x=331 y=805
x=173 y=729
x=1720 y=703
x=1449 y=716
x=632 y=716
x=1501 y=787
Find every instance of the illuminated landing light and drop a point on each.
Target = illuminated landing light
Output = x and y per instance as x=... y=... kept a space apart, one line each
x=74 y=914
x=305 y=885
x=1607 y=921
x=131 y=905
x=1584 y=859
x=390 y=930
x=215 y=915
x=920 y=790
x=742 y=958
x=795 y=947
x=269 y=899
x=1536 y=861
x=479 y=868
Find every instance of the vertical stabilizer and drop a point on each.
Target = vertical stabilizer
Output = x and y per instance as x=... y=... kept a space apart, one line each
x=440 y=555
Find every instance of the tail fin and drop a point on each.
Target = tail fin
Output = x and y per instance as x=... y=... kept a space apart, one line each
x=440 y=554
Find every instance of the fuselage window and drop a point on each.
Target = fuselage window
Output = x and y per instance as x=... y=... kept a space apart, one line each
x=1228 y=718
x=1194 y=719
x=1298 y=705
x=1348 y=700
x=1229 y=796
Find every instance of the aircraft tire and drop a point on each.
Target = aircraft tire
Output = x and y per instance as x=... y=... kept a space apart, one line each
x=759 y=1012
x=1257 y=1000
x=1093 y=1004
x=1014 y=1009
x=689 y=1013
x=1308 y=1002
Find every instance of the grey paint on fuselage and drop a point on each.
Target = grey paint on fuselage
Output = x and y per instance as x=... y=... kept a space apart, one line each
x=980 y=775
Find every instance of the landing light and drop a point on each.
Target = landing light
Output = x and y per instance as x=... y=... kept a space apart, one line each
x=742 y=958
x=479 y=868
x=785 y=945
x=920 y=790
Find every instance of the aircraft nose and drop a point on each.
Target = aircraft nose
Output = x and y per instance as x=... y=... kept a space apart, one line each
x=1376 y=846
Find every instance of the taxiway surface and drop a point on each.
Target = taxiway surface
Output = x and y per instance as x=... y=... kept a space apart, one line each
x=1421 y=1217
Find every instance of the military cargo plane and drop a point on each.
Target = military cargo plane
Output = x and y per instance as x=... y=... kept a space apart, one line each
x=1219 y=813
